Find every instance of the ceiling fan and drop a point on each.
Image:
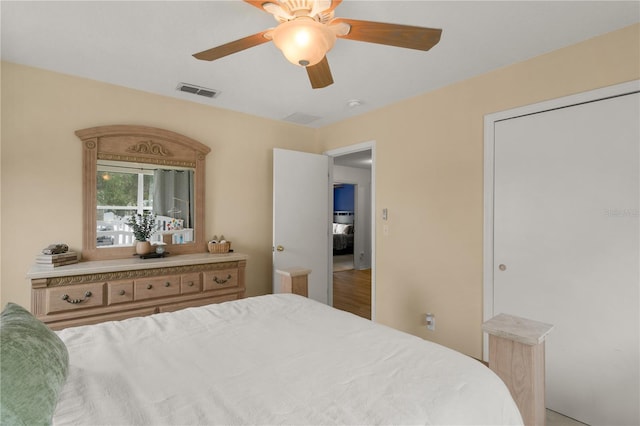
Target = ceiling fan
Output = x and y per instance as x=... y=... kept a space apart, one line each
x=308 y=29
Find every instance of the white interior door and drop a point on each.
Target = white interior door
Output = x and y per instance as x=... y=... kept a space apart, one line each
x=566 y=226
x=301 y=217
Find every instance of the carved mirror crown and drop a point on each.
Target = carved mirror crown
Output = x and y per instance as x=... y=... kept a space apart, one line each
x=136 y=145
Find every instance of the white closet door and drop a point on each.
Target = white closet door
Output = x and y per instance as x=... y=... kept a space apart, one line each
x=566 y=227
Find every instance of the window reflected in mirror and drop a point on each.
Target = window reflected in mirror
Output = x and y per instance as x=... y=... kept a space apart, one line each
x=124 y=189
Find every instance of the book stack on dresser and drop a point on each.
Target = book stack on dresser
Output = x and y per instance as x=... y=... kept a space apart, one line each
x=55 y=260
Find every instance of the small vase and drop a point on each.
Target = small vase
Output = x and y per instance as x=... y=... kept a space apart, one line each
x=143 y=247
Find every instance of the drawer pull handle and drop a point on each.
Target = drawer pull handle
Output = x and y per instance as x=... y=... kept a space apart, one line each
x=121 y=292
x=167 y=284
x=223 y=280
x=67 y=299
x=149 y=286
x=190 y=283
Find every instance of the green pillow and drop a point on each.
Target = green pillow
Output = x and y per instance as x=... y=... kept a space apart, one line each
x=33 y=368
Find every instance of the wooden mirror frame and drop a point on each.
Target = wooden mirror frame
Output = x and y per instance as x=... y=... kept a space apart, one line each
x=142 y=145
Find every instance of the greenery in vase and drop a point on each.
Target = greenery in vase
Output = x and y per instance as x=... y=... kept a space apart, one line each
x=143 y=225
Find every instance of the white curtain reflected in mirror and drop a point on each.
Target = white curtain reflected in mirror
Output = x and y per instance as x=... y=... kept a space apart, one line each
x=172 y=201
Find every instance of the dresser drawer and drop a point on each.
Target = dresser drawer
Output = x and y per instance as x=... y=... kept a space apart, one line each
x=190 y=283
x=156 y=287
x=119 y=292
x=74 y=297
x=223 y=278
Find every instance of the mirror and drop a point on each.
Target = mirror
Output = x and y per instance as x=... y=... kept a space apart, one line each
x=124 y=189
x=132 y=169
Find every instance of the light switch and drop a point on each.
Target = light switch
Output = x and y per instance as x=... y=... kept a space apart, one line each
x=384 y=214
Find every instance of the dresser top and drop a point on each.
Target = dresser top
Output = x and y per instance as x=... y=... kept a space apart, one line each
x=134 y=263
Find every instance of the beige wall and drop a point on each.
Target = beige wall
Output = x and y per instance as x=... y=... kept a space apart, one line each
x=429 y=174
x=41 y=166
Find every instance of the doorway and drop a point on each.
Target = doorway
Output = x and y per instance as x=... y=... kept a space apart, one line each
x=344 y=200
x=353 y=278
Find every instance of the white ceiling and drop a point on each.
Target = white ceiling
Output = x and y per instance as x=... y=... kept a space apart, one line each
x=147 y=45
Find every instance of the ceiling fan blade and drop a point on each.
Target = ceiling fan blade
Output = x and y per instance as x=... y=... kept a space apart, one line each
x=232 y=47
x=320 y=74
x=257 y=3
x=407 y=36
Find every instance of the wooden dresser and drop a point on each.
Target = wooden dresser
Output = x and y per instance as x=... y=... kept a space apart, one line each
x=105 y=290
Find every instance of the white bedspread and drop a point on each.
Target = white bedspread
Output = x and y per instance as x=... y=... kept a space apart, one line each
x=278 y=359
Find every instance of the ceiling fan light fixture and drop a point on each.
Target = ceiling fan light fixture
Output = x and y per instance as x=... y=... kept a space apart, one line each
x=303 y=41
x=308 y=30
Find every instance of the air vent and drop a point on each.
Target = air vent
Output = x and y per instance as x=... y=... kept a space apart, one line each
x=197 y=90
x=300 y=118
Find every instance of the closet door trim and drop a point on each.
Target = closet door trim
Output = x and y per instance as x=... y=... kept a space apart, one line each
x=489 y=141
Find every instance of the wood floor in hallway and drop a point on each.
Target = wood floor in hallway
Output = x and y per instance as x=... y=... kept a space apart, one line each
x=352 y=292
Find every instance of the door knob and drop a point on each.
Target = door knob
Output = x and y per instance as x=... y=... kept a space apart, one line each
x=279 y=248
x=502 y=267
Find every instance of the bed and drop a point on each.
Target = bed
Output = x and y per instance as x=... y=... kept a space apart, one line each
x=275 y=359
x=342 y=238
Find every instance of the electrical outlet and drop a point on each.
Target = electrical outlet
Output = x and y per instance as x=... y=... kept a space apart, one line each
x=431 y=322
